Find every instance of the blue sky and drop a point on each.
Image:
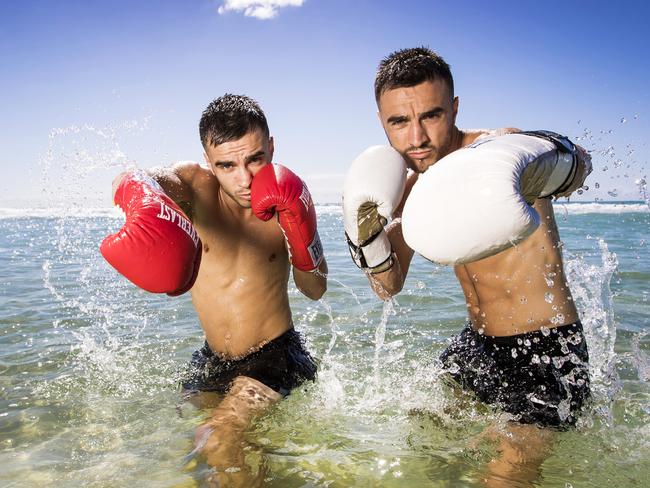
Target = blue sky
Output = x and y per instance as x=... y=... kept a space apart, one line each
x=91 y=86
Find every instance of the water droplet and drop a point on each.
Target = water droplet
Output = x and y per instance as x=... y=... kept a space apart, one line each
x=513 y=352
x=548 y=297
x=623 y=120
x=546 y=359
x=613 y=193
x=559 y=361
x=523 y=299
x=549 y=280
x=545 y=331
x=597 y=185
x=605 y=168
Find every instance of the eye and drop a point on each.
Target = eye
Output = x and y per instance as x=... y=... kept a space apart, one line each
x=431 y=115
x=224 y=166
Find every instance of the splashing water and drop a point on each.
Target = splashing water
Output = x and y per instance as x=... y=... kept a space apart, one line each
x=590 y=285
x=380 y=337
x=643 y=190
x=90 y=365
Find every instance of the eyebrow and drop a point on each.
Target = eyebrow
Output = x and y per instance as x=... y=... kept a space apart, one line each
x=253 y=156
x=397 y=118
x=403 y=118
x=433 y=111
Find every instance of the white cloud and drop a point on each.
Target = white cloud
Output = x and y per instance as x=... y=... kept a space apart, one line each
x=261 y=9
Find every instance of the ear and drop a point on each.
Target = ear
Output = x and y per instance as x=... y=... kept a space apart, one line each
x=271 y=149
x=207 y=161
x=381 y=122
x=455 y=108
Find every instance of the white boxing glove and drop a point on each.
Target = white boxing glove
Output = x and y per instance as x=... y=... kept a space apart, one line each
x=476 y=201
x=373 y=188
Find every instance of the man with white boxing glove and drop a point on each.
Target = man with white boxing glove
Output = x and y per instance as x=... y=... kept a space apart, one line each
x=254 y=221
x=520 y=351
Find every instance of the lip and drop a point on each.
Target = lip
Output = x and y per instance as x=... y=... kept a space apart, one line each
x=419 y=154
x=245 y=196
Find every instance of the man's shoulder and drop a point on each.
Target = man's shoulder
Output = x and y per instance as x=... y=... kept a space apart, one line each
x=190 y=169
x=472 y=135
x=193 y=174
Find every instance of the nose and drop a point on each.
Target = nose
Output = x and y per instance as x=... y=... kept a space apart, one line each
x=244 y=177
x=417 y=135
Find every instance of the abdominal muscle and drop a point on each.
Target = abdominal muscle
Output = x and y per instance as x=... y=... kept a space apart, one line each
x=521 y=289
x=240 y=295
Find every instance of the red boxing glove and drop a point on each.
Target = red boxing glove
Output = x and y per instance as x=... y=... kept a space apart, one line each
x=157 y=249
x=277 y=189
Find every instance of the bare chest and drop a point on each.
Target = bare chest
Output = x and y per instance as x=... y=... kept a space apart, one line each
x=236 y=247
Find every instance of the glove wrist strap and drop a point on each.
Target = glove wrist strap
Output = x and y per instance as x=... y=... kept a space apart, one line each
x=375 y=255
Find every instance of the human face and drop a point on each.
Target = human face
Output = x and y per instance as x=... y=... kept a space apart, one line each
x=234 y=163
x=419 y=122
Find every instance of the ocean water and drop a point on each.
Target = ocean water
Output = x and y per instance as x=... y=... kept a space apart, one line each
x=89 y=368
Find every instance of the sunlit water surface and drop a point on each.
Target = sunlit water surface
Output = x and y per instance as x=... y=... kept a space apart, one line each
x=89 y=368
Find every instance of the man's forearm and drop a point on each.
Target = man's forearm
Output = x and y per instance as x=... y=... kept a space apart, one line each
x=312 y=284
x=388 y=283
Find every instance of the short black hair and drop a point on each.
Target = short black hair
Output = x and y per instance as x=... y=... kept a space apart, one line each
x=410 y=67
x=231 y=117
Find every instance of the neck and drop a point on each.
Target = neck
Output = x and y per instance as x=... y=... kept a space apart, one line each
x=233 y=206
x=457 y=139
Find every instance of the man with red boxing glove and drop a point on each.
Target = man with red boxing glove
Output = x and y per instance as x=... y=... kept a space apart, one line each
x=252 y=353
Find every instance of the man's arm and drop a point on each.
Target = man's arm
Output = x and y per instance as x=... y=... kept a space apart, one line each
x=390 y=282
x=373 y=194
x=175 y=180
x=276 y=190
x=312 y=284
x=157 y=248
x=178 y=182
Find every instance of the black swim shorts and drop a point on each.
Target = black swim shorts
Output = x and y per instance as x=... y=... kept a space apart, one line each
x=541 y=377
x=281 y=364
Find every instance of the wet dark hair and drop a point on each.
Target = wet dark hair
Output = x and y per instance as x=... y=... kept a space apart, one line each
x=410 y=67
x=231 y=117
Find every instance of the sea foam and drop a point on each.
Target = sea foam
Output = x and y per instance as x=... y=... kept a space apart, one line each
x=321 y=209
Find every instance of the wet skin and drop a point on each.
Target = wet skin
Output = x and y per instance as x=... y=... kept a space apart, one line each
x=518 y=290
x=506 y=294
x=241 y=292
